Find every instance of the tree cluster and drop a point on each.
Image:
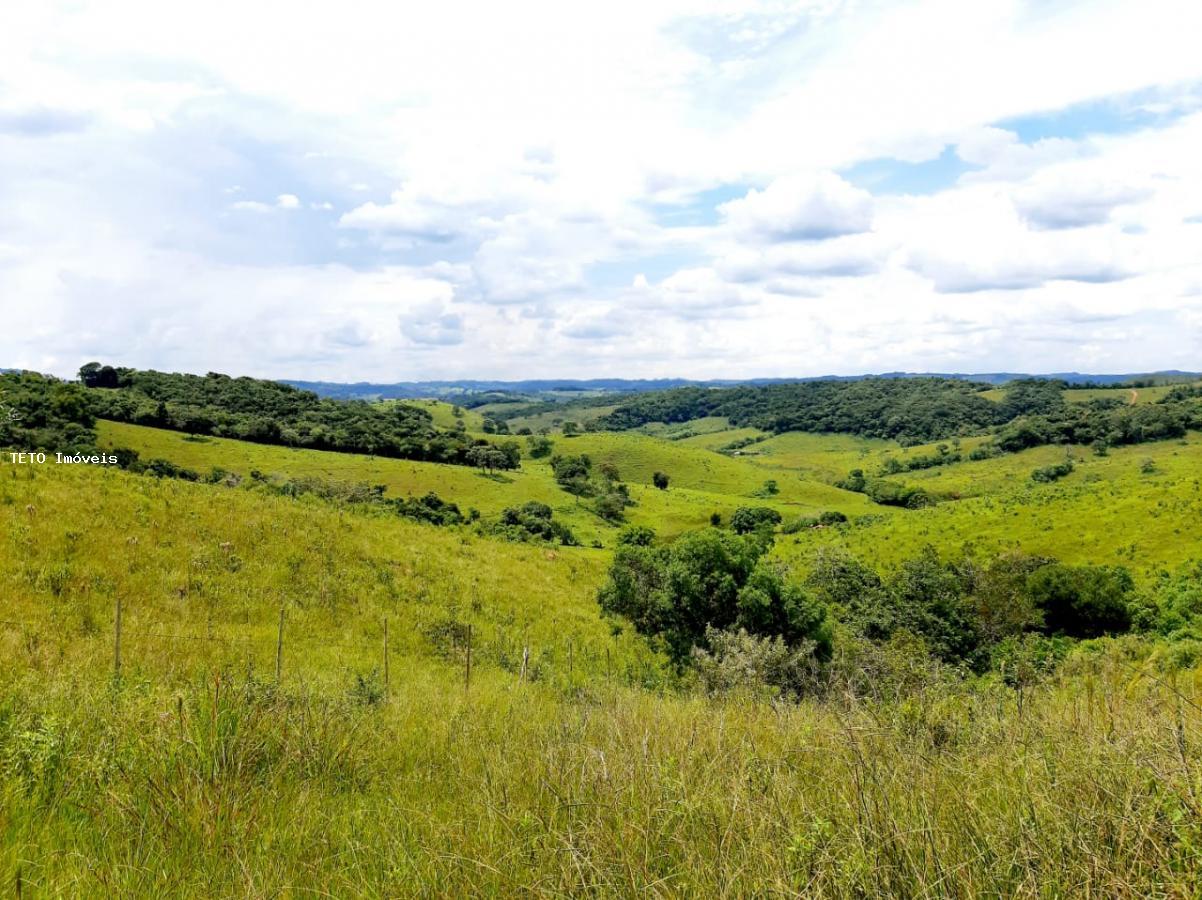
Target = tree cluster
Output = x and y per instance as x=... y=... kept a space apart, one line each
x=269 y=412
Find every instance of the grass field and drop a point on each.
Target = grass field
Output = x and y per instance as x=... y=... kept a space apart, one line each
x=1115 y=509
x=197 y=773
x=702 y=482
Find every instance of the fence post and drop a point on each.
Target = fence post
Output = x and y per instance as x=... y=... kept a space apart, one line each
x=570 y=660
x=525 y=663
x=387 y=679
x=279 y=648
x=467 y=669
x=117 y=642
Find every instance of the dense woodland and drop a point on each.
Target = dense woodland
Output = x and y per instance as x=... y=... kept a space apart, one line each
x=269 y=412
x=918 y=410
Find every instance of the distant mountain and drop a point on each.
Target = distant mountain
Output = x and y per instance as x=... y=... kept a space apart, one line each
x=565 y=387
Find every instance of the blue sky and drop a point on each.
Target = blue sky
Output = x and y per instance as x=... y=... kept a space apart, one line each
x=713 y=188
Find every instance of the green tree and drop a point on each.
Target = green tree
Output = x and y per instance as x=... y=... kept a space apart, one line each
x=660 y=480
x=709 y=579
x=747 y=519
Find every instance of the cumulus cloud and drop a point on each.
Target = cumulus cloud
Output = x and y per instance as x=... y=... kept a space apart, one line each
x=801 y=208
x=569 y=195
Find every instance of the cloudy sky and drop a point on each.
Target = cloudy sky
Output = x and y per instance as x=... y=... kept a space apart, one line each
x=711 y=188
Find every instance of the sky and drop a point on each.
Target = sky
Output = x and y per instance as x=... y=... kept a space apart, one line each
x=379 y=191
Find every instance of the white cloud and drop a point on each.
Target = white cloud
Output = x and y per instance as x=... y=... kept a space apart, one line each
x=433 y=324
x=801 y=208
x=548 y=174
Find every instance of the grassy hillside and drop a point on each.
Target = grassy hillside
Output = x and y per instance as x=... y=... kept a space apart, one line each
x=198 y=774
x=702 y=482
x=1138 y=506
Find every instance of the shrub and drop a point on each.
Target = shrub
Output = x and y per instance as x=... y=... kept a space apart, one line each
x=1048 y=474
x=709 y=579
x=1082 y=601
x=739 y=661
x=533 y=521
x=747 y=519
x=636 y=536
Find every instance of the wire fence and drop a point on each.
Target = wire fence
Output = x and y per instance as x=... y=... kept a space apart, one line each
x=462 y=637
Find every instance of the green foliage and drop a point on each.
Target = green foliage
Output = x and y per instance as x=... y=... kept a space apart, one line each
x=573 y=473
x=918 y=409
x=748 y=519
x=273 y=413
x=761 y=666
x=1048 y=474
x=539 y=446
x=429 y=508
x=533 y=521
x=709 y=579
x=39 y=413
x=660 y=480
x=822 y=520
x=636 y=536
x=1082 y=601
x=942 y=457
x=886 y=493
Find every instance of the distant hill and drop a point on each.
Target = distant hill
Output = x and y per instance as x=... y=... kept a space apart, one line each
x=541 y=388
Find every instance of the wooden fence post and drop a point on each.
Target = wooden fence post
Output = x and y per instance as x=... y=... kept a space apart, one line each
x=387 y=679
x=525 y=663
x=467 y=669
x=117 y=642
x=279 y=648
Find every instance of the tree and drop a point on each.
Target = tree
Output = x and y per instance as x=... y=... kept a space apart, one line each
x=1003 y=605
x=570 y=429
x=539 y=446
x=573 y=473
x=747 y=519
x=611 y=506
x=710 y=579
x=636 y=536
x=660 y=480
x=1082 y=601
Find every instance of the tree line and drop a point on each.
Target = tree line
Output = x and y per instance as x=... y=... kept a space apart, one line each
x=1032 y=413
x=268 y=412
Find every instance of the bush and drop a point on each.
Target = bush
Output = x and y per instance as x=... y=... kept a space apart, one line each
x=709 y=579
x=533 y=521
x=431 y=508
x=747 y=519
x=739 y=661
x=1082 y=601
x=636 y=536
x=1048 y=474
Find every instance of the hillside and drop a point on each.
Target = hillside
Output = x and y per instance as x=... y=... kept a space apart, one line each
x=250 y=702
x=572 y=781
